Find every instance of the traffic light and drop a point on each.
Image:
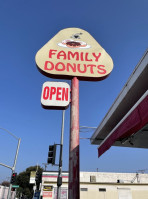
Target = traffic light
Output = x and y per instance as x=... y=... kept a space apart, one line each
x=13 y=178
x=51 y=154
x=37 y=176
x=38 y=179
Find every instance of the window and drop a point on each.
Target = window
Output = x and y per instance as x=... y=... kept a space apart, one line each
x=92 y=178
x=84 y=189
x=102 y=189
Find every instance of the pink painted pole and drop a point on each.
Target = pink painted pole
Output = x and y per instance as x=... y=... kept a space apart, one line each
x=74 y=185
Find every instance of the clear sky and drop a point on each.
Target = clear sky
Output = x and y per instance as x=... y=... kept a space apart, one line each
x=120 y=27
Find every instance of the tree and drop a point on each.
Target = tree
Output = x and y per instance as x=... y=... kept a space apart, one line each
x=5 y=183
x=25 y=188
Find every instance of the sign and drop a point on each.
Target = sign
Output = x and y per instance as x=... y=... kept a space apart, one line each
x=55 y=95
x=47 y=194
x=73 y=52
x=37 y=194
x=32 y=177
x=64 y=193
x=48 y=188
x=15 y=186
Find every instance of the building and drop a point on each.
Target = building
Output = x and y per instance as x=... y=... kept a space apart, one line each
x=126 y=122
x=98 y=185
x=4 y=192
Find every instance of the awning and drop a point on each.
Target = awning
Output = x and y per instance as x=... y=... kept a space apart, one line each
x=131 y=123
x=133 y=90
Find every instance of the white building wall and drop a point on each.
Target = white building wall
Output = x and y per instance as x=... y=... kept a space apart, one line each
x=4 y=192
x=94 y=185
x=113 y=177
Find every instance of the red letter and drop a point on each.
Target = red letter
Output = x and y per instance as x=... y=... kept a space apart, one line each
x=81 y=54
x=46 y=65
x=101 y=69
x=91 y=68
x=52 y=92
x=73 y=68
x=97 y=57
x=65 y=94
x=57 y=65
x=70 y=54
x=46 y=93
x=51 y=53
x=80 y=70
x=58 y=93
x=86 y=57
x=61 y=54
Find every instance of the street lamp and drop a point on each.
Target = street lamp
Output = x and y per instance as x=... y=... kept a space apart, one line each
x=15 y=159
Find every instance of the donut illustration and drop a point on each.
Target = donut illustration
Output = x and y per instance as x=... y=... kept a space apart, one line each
x=74 y=44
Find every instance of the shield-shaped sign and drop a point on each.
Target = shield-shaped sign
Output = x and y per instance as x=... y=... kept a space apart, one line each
x=73 y=52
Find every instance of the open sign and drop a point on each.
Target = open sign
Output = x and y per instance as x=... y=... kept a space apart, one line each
x=55 y=95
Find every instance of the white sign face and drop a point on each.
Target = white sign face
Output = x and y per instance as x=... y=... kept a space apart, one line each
x=55 y=95
x=32 y=177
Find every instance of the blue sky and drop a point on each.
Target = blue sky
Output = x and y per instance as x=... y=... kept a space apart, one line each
x=120 y=27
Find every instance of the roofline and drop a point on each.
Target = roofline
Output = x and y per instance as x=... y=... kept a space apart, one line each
x=137 y=71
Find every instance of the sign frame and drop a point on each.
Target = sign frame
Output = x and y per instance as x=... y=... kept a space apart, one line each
x=55 y=95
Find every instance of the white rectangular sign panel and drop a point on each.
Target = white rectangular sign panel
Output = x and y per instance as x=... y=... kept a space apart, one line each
x=55 y=95
x=32 y=177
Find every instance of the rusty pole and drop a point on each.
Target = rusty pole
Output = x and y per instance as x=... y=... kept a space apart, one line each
x=74 y=185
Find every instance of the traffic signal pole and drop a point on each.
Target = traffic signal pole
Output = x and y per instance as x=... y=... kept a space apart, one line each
x=13 y=168
x=59 y=180
x=14 y=165
x=74 y=184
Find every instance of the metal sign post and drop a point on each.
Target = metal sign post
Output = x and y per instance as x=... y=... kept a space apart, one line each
x=74 y=186
x=59 y=180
